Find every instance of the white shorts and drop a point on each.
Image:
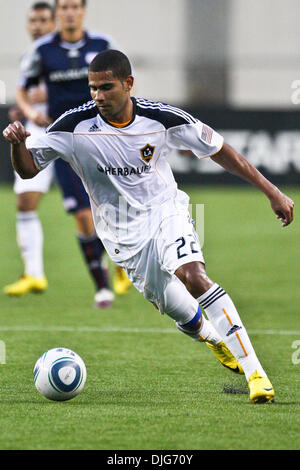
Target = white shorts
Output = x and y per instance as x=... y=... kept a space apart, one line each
x=39 y=183
x=152 y=269
x=42 y=181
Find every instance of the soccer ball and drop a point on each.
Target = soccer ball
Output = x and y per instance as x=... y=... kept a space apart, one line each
x=59 y=374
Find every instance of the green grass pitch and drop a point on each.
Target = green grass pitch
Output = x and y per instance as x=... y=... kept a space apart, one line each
x=148 y=386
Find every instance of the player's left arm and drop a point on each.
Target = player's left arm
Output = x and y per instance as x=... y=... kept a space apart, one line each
x=236 y=164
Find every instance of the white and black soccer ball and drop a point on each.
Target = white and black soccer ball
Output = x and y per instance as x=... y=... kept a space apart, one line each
x=59 y=374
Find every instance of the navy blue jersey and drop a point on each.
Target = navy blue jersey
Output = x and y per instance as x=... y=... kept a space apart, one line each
x=63 y=66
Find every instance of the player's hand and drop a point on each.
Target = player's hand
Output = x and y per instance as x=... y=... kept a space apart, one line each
x=39 y=118
x=37 y=94
x=15 y=133
x=15 y=114
x=283 y=207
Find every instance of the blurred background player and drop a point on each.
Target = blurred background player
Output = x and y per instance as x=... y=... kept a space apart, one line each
x=62 y=59
x=40 y=21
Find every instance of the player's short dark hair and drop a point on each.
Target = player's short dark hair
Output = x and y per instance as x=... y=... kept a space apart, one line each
x=83 y=3
x=42 y=6
x=112 y=60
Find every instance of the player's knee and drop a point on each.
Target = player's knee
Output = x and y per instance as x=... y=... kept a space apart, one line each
x=197 y=283
x=195 y=279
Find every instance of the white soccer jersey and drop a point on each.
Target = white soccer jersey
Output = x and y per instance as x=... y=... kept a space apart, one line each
x=125 y=170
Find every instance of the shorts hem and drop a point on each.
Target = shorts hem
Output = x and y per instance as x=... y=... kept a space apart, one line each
x=182 y=262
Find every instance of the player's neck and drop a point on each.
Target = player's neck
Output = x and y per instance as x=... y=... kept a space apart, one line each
x=73 y=35
x=124 y=117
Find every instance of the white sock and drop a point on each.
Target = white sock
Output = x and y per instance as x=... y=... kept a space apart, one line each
x=221 y=311
x=206 y=332
x=30 y=242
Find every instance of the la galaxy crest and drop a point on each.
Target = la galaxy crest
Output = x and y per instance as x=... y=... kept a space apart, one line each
x=147 y=152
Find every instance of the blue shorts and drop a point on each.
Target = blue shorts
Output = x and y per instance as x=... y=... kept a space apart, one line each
x=75 y=196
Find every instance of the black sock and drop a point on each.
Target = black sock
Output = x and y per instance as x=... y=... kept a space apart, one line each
x=93 y=250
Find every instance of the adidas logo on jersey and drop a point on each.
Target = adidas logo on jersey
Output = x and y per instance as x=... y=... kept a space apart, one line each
x=94 y=128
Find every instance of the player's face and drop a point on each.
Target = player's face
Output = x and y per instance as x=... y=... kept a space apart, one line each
x=70 y=14
x=39 y=23
x=110 y=94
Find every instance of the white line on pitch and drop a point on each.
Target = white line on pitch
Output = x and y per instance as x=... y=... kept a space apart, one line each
x=86 y=329
x=95 y=329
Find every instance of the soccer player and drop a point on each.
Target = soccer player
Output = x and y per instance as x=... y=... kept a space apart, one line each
x=62 y=60
x=40 y=21
x=140 y=214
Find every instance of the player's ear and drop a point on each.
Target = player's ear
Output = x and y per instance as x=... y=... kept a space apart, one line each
x=129 y=83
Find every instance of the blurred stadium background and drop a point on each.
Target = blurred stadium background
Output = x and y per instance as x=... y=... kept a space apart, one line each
x=232 y=63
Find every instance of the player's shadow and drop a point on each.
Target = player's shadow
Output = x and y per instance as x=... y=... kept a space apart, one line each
x=235 y=390
x=240 y=390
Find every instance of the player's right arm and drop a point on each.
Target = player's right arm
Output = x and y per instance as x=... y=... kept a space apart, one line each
x=31 y=73
x=30 y=112
x=204 y=142
x=21 y=157
x=236 y=164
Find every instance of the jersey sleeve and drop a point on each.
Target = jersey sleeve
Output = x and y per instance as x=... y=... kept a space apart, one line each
x=198 y=137
x=49 y=147
x=30 y=69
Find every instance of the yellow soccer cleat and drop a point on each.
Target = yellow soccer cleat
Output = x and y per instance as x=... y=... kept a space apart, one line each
x=121 y=283
x=261 y=389
x=226 y=358
x=26 y=284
